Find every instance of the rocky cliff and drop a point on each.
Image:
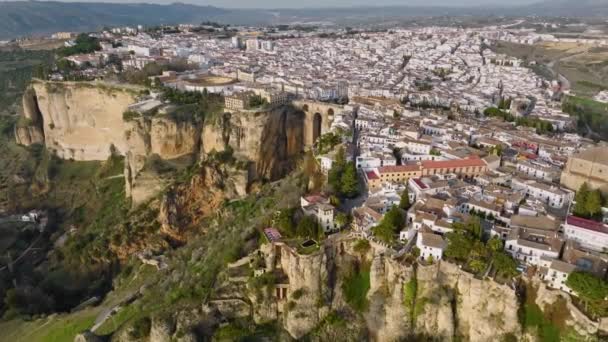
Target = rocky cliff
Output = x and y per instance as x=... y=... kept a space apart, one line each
x=84 y=121
x=449 y=304
x=271 y=139
x=163 y=138
x=78 y=120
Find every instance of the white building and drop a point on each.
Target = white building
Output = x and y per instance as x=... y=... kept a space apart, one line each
x=555 y=273
x=590 y=234
x=551 y=195
x=538 y=170
x=430 y=245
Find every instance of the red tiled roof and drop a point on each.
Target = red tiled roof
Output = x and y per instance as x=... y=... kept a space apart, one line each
x=420 y=183
x=587 y=224
x=313 y=199
x=441 y=164
x=371 y=175
x=399 y=168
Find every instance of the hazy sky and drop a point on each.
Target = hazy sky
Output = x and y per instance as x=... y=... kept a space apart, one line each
x=325 y=3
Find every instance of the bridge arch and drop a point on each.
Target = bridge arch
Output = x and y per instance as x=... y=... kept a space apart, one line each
x=318 y=118
x=317 y=123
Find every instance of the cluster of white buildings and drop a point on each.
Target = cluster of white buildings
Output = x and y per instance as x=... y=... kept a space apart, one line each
x=400 y=85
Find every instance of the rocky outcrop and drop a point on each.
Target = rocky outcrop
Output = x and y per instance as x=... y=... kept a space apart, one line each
x=450 y=303
x=84 y=121
x=79 y=120
x=458 y=304
x=271 y=140
x=546 y=297
x=28 y=130
x=162 y=137
x=184 y=206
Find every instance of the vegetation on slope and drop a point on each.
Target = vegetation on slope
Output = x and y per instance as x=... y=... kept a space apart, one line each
x=16 y=69
x=590 y=116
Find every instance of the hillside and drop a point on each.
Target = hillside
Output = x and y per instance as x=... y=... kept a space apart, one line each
x=19 y=18
x=22 y=18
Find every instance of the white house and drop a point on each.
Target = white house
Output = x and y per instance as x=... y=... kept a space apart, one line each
x=530 y=245
x=549 y=194
x=430 y=245
x=555 y=273
x=325 y=162
x=538 y=170
x=588 y=233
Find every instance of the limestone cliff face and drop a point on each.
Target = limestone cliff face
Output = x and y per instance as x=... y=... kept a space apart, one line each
x=29 y=130
x=161 y=136
x=271 y=139
x=79 y=120
x=450 y=303
x=457 y=304
x=184 y=206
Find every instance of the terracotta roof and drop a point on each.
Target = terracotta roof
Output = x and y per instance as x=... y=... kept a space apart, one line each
x=371 y=175
x=441 y=164
x=399 y=168
x=420 y=184
x=587 y=224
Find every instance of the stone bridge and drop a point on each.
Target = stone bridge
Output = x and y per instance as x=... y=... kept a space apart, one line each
x=319 y=116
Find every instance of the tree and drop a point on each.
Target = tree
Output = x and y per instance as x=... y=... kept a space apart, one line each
x=477 y=265
x=459 y=246
x=392 y=222
x=284 y=222
x=334 y=176
x=494 y=244
x=405 y=200
x=308 y=227
x=505 y=265
x=341 y=219
x=593 y=204
x=349 y=181
x=588 y=203
x=415 y=252
x=592 y=290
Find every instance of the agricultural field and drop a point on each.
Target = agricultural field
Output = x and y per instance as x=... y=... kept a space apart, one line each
x=585 y=66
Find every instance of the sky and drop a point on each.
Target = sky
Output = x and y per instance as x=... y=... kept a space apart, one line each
x=325 y=3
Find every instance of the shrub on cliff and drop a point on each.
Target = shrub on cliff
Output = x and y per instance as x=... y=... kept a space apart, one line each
x=356 y=284
x=591 y=290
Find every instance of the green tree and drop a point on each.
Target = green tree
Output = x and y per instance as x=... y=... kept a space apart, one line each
x=308 y=227
x=459 y=246
x=505 y=265
x=334 y=176
x=405 y=200
x=580 y=208
x=349 y=182
x=284 y=222
x=392 y=222
x=477 y=265
x=341 y=219
x=592 y=290
x=415 y=252
x=593 y=204
x=495 y=245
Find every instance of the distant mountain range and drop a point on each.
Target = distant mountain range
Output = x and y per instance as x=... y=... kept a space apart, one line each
x=19 y=18
x=22 y=18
